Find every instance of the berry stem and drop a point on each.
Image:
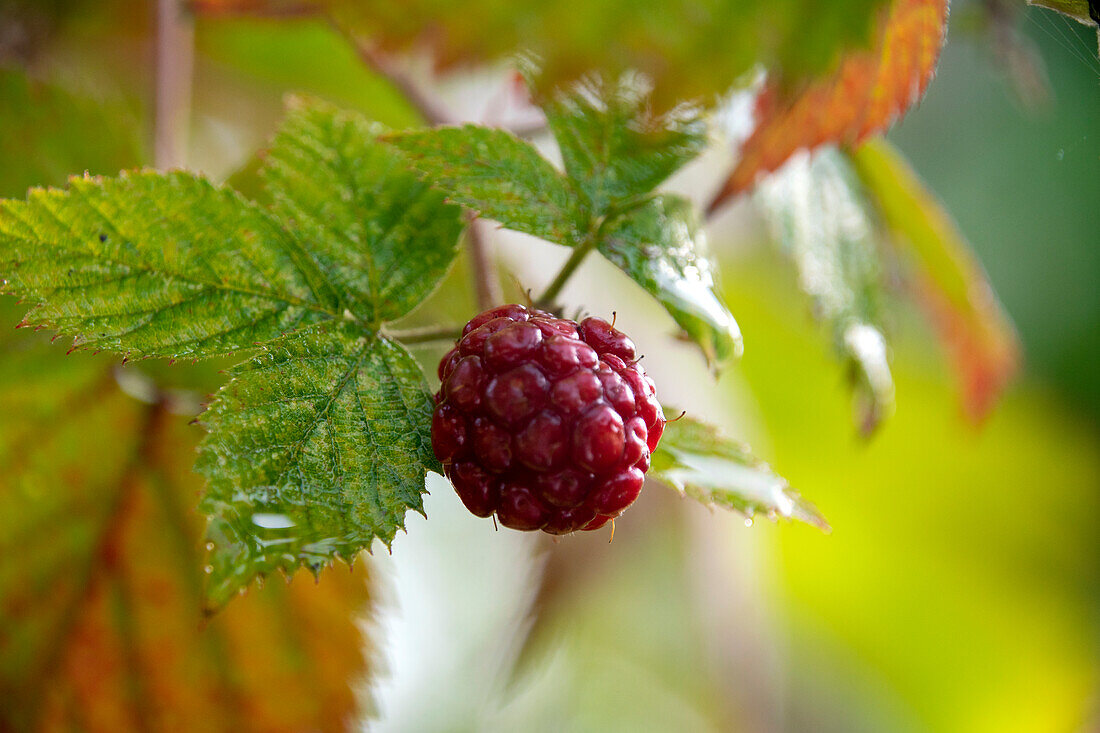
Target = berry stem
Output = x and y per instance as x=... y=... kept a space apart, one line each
x=426 y=335
x=546 y=300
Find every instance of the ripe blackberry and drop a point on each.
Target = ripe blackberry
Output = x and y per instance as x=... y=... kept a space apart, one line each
x=546 y=422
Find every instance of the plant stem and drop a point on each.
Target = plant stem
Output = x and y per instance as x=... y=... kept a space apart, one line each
x=430 y=107
x=174 y=68
x=427 y=334
x=486 y=282
x=580 y=251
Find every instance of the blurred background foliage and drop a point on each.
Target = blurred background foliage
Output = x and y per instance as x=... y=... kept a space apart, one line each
x=960 y=588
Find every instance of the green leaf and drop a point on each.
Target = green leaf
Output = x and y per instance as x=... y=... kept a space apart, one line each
x=947 y=279
x=155 y=264
x=316 y=447
x=615 y=154
x=614 y=149
x=500 y=177
x=818 y=212
x=698 y=461
x=660 y=246
x=171 y=265
x=383 y=238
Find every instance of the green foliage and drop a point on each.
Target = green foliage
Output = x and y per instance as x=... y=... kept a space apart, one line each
x=308 y=56
x=380 y=237
x=500 y=177
x=660 y=245
x=698 y=461
x=331 y=418
x=615 y=152
x=938 y=528
x=317 y=446
x=613 y=147
x=819 y=214
x=155 y=264
x=51 y=411
x=319 y=443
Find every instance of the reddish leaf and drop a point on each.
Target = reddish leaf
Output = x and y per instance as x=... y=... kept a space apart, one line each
x=101 y=625
x=949 y=281
x=869 y=89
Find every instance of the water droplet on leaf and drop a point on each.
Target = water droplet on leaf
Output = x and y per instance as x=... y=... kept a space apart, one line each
x=272 y=521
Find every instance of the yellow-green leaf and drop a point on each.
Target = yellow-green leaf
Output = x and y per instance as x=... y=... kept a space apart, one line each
x=817 y=210
x=949 y=282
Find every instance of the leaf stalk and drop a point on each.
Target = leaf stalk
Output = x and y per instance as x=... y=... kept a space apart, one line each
x=425 y=335
x=580 y=251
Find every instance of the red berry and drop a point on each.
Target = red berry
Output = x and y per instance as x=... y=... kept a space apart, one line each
x=596 y=523
x=511 y=312
x=492 y=445
x=447 y=364
x=547 y=423
x=566 y=488
x=478 y=489
x=464 y=386
x=551 y=326
x=515 y=395
x=617 y=493
x=602 y=336
x=543 y=444
x=511 y=347
x=635 y=447
x=599 y=439
x=568 y=520
x=563 y=355
x=449 y=435
x=577 y=391
x=519 y=509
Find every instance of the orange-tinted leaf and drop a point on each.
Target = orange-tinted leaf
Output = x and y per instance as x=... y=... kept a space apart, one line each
x=868 y=90
x=101 y=624
x=949 y=281
x=255 y=7
x=690 y=49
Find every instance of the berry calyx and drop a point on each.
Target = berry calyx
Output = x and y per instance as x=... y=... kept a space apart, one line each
x=547 y=423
